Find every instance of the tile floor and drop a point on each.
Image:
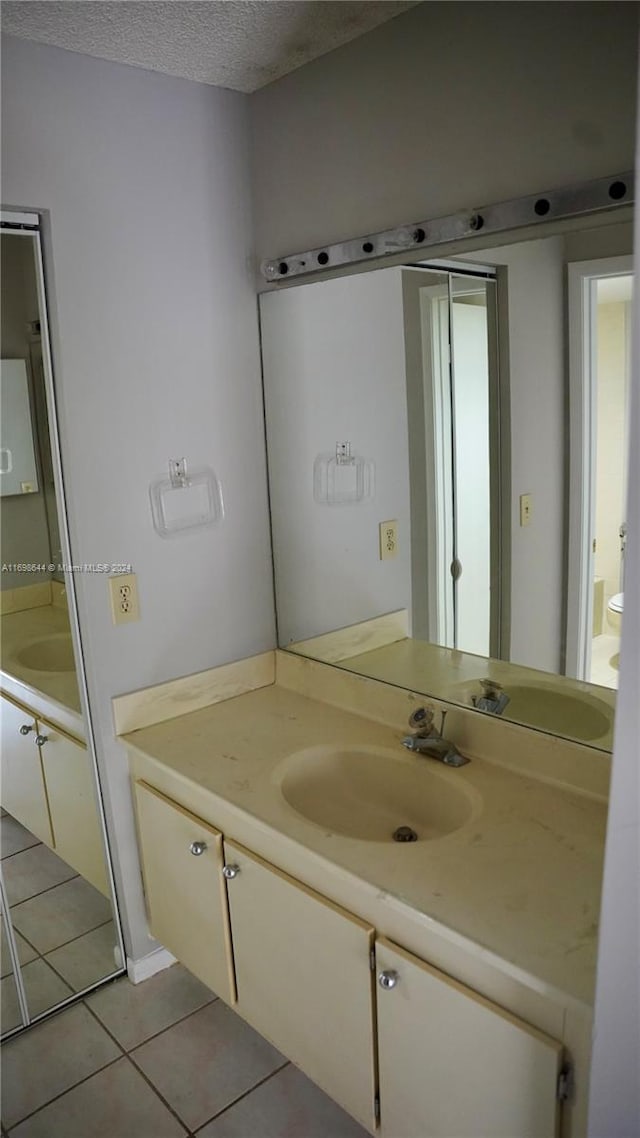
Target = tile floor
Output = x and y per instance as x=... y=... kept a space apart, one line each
x=162 y=1059
x=605 y=660
x=63 y=927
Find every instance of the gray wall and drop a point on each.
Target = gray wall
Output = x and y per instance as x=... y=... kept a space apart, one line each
x=24 y=534
x=445 y=107
x=334 y=370
x=156 y=352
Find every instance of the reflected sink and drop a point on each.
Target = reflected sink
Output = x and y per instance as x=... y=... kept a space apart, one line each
x=368 y=793
x=53 y=654
x=582 y=717
x=578 y=715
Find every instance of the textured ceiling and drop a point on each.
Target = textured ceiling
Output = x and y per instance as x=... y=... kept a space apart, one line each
x=242 y=44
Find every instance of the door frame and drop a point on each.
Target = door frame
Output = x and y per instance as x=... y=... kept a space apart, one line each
x=581 y=309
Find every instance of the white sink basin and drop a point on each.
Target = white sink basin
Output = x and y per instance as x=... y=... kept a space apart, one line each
x=368 y=793
x=52 y=654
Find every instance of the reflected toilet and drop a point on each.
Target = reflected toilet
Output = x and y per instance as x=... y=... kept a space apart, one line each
x=614 y=612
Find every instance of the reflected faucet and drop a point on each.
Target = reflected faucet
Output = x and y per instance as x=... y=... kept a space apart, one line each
x=427 y=741
x=493 y=698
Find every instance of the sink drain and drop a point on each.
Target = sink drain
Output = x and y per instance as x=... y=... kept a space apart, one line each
x=405 y=834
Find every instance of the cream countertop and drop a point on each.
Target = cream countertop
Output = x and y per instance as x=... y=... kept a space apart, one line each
x=54 y=694
x=519 y=881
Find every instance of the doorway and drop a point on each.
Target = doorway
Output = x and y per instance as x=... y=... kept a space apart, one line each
x=600 y=296
x=461 y=525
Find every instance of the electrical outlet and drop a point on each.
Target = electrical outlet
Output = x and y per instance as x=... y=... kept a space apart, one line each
x=388 y=540
x=526 y=509
x=123 y=591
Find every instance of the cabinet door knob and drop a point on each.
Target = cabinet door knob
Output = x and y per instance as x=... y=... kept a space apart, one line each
x=26 y=728
x=197 y=848
x=388 y=979
x=40 y=740
x=231 y=871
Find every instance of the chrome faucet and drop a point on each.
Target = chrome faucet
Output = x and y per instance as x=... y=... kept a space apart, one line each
x=493 y=698
x=427 y=741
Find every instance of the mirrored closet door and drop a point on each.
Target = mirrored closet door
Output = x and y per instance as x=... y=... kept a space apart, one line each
x=60 y=929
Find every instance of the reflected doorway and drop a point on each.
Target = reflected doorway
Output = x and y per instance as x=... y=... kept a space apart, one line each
x=600 y=298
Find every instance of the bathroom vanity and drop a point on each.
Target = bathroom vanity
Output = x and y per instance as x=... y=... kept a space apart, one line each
x=47 y=781
x=437 y=986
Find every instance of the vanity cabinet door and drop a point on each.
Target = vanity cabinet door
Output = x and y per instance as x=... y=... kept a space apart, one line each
x=185 y=890
x=72 y=802
x=303 y=970
x=454 y=1065
x=22 y=784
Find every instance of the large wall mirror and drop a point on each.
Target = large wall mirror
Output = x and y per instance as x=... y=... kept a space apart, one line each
x=60 y=934
x=447 y=464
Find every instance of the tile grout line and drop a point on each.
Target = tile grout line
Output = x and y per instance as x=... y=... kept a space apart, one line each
x=7 y=857
x=41 y=893
x=158 y=1093
x=65 y=943
x=128 y=1055
x=131 y=1056
x=45 y=957
x=55 y=1098
x=123 y=1055
x=155 y=1035
x=246 y=1094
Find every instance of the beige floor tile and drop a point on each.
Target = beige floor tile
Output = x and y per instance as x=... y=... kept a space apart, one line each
x=117 y=1101
x=202 y=1064
x=49 y=1059
x=25 y=951
x=287 y=1106
x=14 y=837
x=135 y=1012
x=32 y=871
x=10 y=1015
x=86 y=959
x=44 y=989
x=61 y=914
x=605 y=660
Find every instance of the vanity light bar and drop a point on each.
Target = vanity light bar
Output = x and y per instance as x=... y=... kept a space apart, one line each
x=571 y=201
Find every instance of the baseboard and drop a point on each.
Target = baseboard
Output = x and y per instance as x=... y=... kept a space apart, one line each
x=147 y=966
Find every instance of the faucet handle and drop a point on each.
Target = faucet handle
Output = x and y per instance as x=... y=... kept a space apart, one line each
x=421 y=718
x=490 y=688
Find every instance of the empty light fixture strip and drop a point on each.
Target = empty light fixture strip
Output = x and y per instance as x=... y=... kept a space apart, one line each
x=568 y=202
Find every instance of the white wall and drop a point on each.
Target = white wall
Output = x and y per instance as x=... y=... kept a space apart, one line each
x=334 y=370
x=614 y=1110
x=156 y=353
x=445 y=107
x=611 y=413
